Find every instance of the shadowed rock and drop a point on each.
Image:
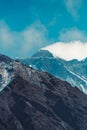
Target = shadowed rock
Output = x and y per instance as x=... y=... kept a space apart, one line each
x=34 y=100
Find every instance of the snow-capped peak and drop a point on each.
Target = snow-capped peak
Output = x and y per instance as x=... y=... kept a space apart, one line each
x=68 y=51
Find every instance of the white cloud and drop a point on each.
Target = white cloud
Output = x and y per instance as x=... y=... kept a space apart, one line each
x=5 y=35
x=73 y=7
x=68 y=50
x=34 y=37
x=72 y=34
x=25 y=42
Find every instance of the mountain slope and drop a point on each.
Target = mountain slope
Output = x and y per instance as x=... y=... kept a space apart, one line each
x=35 y=100
x=6 y=71
x=73 y=71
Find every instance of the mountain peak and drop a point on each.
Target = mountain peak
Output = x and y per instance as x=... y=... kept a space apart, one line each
x=72 y=71
x=69 y=50
x=42 y=53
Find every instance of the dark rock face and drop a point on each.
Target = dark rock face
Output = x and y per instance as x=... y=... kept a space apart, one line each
x=5 y=58
x=38 y=101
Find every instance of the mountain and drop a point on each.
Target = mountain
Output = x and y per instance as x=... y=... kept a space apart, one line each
x=36 y=100
x=72 y=71
x=6 y=71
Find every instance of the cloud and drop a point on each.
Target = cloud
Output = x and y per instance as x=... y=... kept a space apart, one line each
x=73 y=7
x=25 y=42
x=5 y=35
x=69 y=50
x=72 y=34
x=34 y=36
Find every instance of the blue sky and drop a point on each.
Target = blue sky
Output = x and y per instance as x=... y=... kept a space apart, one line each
x=28 y=25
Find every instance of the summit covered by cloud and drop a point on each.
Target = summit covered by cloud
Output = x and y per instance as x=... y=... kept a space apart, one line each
x=28 y=25
x=68 y=50
x=70 y=45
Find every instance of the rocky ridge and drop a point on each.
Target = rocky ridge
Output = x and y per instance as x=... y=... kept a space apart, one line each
x=35 y=100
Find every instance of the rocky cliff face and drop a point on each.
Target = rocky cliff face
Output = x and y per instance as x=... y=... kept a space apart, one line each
x=36 y=100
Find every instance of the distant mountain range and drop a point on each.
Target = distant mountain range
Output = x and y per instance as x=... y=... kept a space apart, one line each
x=35 y=100
x=72 y=71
